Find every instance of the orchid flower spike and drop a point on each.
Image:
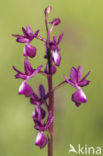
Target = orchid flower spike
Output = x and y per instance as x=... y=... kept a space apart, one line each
x=42 y=101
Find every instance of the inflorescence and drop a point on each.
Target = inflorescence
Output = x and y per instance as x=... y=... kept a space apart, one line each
x=42 y=116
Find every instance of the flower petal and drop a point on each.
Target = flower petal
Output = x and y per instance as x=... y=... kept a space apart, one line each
x=25 y=89
x=25 y=32
x=41 y=140
x=79 y=97
x=79 y=71
x=86 y=76
x=22 y=40
x=19 y=74
x=29 y=29
x=34 y=99
x=27 y=67
x=53 y=46
x=69 y=81
x=49 y=120
x=60 y=38
x=36 y=33
x=43 y=113
x=84 y=82
x=74 y=75
x=18 y=36
x=29 y=51
x=53 y=69
x=41 y=91
x=43 y=127
x=54 y=39
x=35 y=72
x=28 y=32
x=38 y=114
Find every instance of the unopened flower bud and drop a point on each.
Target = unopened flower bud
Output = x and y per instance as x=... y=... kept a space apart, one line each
x=56 y=21
x=48 y=10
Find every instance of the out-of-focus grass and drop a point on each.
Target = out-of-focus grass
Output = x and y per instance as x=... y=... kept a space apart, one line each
x=82 y=24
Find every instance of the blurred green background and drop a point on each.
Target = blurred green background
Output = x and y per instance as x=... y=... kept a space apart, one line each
x=82 y=24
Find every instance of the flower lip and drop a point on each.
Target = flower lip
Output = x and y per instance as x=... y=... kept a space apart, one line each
x=25 y=89
x=29 y=51
x=41 y=140
x=79 y=97
x=56 y=57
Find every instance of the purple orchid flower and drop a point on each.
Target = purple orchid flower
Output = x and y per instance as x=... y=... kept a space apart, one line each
x=38 y=100
x=29 y=71
x=38 y=114
x=75 y=80
x=41 y=140
x=55 y=50
x=39 y=125
x=27 y=38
